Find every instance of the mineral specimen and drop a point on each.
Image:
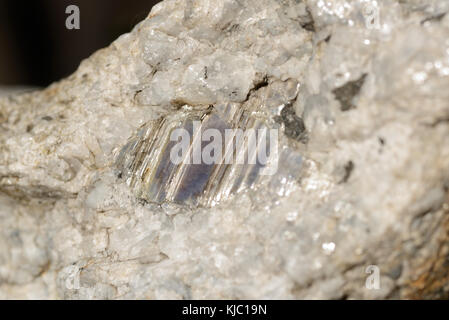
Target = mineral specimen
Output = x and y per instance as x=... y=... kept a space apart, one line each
x=91 y=208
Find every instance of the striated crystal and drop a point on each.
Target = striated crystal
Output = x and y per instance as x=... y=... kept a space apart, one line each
x=145 y=161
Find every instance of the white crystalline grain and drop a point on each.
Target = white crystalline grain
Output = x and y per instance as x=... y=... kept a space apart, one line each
x=373 y=188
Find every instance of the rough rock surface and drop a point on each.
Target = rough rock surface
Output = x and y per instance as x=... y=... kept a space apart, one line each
x=372 y=80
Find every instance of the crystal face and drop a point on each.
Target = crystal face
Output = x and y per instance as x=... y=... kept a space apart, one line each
x=247 y=155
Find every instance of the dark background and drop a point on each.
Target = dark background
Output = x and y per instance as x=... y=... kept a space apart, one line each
x=37 y=49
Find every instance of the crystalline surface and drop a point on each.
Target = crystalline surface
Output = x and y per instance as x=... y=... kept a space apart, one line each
x=147 y=165
x=358 y=91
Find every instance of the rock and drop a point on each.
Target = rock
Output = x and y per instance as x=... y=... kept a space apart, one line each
x=10 y=90
x=359 y=205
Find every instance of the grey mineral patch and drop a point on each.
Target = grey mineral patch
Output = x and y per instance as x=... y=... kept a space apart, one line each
x=293 y=125
x=347 y=92
x=367 y=191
